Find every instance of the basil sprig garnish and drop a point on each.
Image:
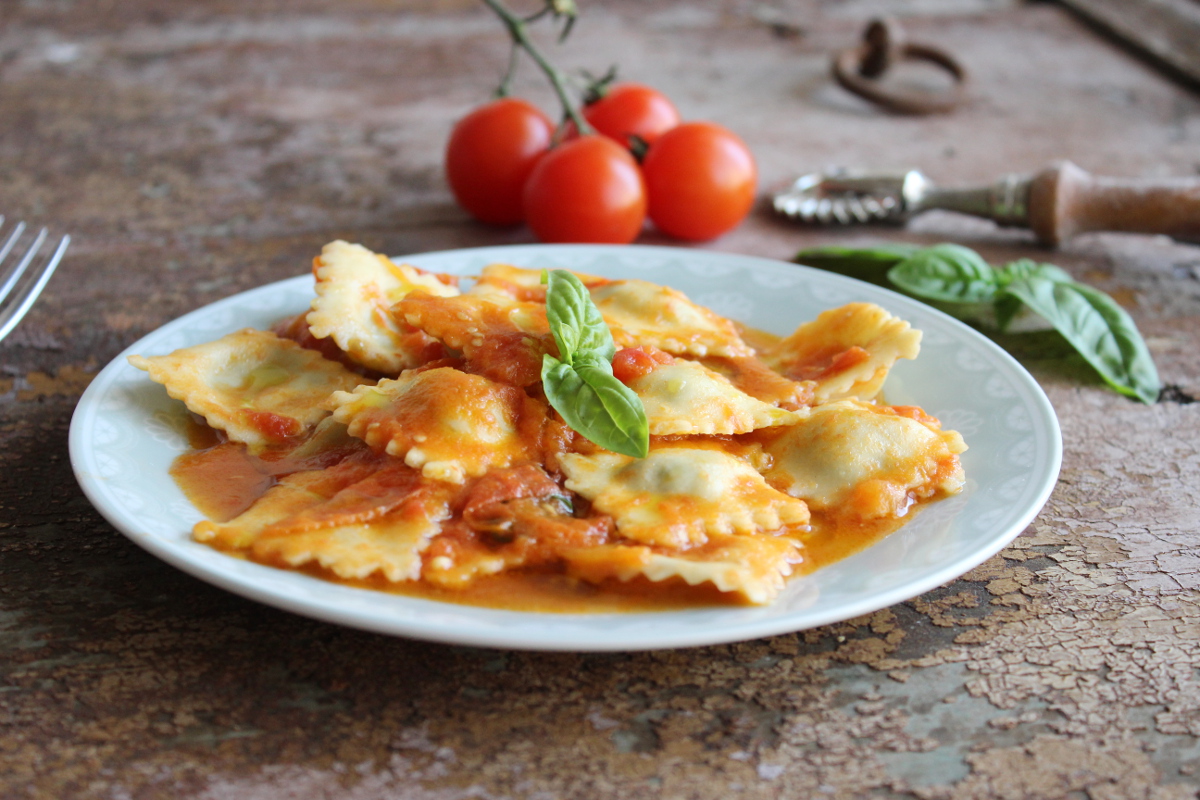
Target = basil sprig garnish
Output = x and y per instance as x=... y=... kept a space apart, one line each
x=579 y=384
x=1091 y=321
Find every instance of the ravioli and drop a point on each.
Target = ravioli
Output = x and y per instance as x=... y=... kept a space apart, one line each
x=389 y=543
x=865 y=461
x=453 y=467
x=644 y=313
x=846 y=351
x=500 y=338
x=355 y=292
x=752 y=567
x=517 y=283
x=291 y=495
x=685 y=397
x=467 y=321
x=678 y=496
x=257 y=387
x=756 y=379
x=449 y=424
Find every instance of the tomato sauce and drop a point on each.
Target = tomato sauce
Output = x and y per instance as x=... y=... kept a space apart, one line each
x=825 y=365
x=632 y=363
x=222 y=480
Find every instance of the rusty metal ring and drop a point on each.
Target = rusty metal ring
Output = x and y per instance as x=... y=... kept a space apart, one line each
x=884 y=44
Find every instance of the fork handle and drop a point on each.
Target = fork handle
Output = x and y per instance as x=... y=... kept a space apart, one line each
x=1066 y=200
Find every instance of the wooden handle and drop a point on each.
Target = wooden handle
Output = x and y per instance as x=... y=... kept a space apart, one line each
x=1065 y=200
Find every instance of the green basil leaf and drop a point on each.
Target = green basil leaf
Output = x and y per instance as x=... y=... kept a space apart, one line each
x=1103 y=333
x=1006 y=308
x=882 y=252
x=575 y=322
x=620 y=402
x=580 y=384
x=947 y=272
x=1024 y=268
x=597 y=405
x=869 y=264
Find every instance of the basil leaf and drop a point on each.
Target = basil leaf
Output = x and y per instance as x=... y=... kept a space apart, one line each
x=882 y=252
x=597 y=405
x=575 y=322
x=947 y=272
x=580 y=384
x=958 y=281
x=1103 y=333
x=1024 y=268
x=620 y=402
x=869 y=264
x=1006 y=308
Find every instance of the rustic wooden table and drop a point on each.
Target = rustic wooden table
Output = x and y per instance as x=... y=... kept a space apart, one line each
x=197 y=150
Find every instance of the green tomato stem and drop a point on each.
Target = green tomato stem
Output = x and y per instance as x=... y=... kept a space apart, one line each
x=558 y=80
x=505 y=87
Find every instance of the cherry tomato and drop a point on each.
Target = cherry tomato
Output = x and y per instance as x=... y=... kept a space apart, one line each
x=700 y=181
x=631 y=109
x=631 y=363
x=490 y=155
x=587 y=189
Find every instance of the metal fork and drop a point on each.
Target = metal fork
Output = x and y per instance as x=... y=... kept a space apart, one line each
x=17 y=296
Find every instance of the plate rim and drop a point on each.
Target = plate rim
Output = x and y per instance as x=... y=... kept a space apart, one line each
x=411 y=628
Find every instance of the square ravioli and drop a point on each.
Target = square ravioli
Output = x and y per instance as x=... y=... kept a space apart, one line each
x=453 y=474
x=497 y=337
x=356 y=290
x=866 y=461
x=845 y=351
x=507 y=281
x=678 y=496
x=255 y=386
x=290 y=495
x=752 y=567
x=644 y=313
x=449 y=424
x=684 y=398
x=389 y=543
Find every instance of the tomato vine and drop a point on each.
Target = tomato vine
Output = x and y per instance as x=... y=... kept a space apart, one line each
x=619 y=152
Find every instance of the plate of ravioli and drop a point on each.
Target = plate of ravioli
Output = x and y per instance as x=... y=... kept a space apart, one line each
x=663 y=448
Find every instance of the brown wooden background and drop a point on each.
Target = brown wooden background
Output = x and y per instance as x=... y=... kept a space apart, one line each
x=195 y=150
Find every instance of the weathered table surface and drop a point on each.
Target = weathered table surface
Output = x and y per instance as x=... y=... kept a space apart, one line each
x=197 y=150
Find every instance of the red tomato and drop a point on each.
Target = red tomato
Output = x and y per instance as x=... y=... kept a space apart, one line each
x=631 y=363
x=587 y=189
x=490 y=155
x=631 y=109
x=700 y=181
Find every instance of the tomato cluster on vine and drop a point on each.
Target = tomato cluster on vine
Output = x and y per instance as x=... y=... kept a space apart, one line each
x=507 y=163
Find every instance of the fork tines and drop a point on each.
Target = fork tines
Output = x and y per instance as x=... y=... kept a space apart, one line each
x=24 y=277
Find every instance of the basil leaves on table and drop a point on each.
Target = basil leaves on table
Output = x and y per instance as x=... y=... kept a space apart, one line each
x=865 y=264
x=946 y=272
x=1099 y=329
x=579 y=384
x=1091 y=321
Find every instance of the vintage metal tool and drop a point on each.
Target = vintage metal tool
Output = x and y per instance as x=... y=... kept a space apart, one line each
x=884 y=44
x=1056 y=203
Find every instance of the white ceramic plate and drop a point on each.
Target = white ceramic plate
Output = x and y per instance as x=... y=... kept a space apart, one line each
x=126 y=431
